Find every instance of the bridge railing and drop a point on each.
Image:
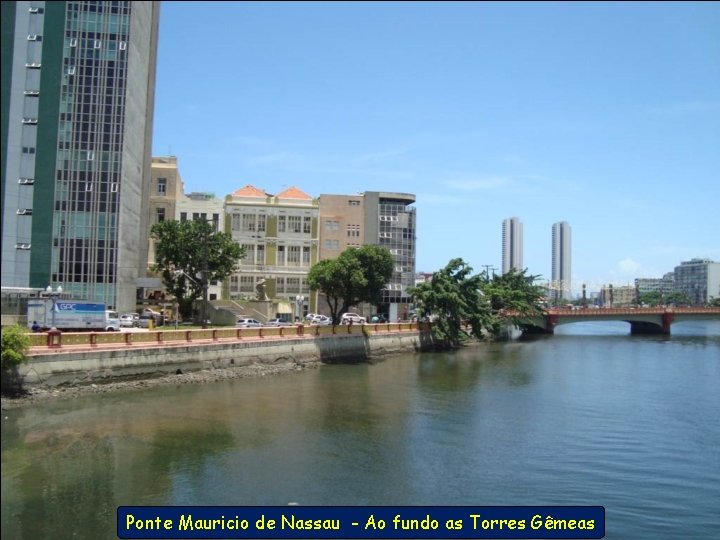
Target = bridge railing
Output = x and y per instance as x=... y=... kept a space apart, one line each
x=593 y=312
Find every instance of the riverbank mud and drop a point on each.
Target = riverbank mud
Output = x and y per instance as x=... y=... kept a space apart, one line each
x=38 y=394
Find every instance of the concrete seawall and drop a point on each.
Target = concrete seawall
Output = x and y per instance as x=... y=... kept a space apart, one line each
x=53 y=368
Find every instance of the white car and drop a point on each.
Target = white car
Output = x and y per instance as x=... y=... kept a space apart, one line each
x=245 y=322
x=278 y=322
x=129 y=320
x=321 y=320
x=352 y=318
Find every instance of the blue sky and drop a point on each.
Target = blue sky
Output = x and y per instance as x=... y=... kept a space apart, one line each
x=602 y=114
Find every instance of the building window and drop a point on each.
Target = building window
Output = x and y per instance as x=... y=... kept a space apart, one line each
x=281 y=224
x=306 y=256
x=159 y=215
x=28 y=150
x=36 y=10
x=34 y=37
x=261 y=222
x=332 y=225
x=307 y=225
x=235 y=222
x=353 y=231
x=162 y=186
x=332 y=244
x=293 y=255
x=248 y=222
x=281 y=255
x=294 y=224
x=183 y=216
x=353 y=203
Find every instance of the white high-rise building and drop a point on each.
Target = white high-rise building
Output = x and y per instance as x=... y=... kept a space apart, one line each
x=512 y=245
x=561 y=260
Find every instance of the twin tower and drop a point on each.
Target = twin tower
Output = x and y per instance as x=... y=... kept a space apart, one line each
x=512 y=254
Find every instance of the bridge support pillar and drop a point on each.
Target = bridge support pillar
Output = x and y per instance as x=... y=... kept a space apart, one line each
x=639 y=327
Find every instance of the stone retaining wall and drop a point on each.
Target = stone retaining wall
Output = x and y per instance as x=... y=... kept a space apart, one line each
x=63 y=367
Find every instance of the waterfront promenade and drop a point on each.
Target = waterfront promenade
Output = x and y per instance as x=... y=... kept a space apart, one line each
x=71 y=359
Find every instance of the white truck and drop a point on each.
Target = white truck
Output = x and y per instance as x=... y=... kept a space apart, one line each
x=71 y=315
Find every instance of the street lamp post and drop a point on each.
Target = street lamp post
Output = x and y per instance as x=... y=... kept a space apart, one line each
x=54 y=295
x=300 y=301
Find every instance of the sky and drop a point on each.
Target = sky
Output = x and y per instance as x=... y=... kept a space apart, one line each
x=602 y=114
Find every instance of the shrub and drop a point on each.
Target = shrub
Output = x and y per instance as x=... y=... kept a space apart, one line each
x=15 y=345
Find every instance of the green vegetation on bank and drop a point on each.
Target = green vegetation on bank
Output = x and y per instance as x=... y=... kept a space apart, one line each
x=15 y=345
x=463 y=305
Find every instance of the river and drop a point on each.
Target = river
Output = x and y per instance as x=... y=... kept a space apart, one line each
x=589 y=416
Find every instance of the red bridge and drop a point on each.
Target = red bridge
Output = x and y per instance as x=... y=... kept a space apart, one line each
x=642 y=320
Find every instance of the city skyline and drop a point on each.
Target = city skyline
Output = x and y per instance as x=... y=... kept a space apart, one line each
x=602 y=114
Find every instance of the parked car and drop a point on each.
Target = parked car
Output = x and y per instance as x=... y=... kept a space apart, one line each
x=129 y=320
x=351 y=318
x=245 y=322
x=144 y=321
x=158 y=318
x=278 y=322
x=310 y=317
x=322 y=320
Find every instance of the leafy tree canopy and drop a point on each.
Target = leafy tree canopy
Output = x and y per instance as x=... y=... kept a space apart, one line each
x=357 y=275
x=452 y=297
x=182 y=248
x=455 y=298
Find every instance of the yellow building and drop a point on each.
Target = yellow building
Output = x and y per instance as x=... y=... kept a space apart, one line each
x=280 y=237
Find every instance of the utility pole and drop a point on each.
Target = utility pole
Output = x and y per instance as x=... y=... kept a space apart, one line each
x=487 y=268
x=205 y=275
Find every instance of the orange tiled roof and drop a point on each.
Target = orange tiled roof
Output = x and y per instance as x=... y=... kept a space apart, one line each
x=250 y=191
x=294 y=193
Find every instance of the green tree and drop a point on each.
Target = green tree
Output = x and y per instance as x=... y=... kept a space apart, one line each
x=15 y=345
x=678 y=299
x=514 y=296
x=461 y=304
x=651 y=298
x=452 y=299
x=357 y=275
x=183 y=248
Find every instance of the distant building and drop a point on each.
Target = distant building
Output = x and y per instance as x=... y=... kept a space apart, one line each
x=664 y=285
x=422 y=277
x=620 y=296
x=561 y=261
x=377 y=218
x=512 y=245
x=78 y=85
x=168 y=201
x=280 y=237
x=699 y=279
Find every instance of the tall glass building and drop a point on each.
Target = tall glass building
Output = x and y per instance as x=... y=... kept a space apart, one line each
x=561 y=260
x=78 y=84
x=512 y=245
